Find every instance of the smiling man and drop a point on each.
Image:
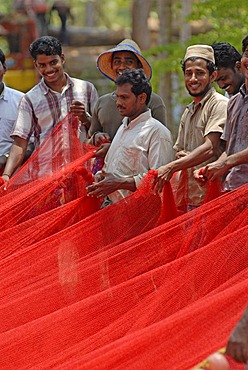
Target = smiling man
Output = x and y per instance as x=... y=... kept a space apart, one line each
x=201 y=124
x=229 y=75
x=47 y=103
x=106 y=118
x=233 y=163
x=140 y=144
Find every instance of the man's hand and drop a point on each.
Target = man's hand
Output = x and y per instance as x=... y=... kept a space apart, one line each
x=164 y=175
x=199 y=177
x=4 y=180
x=214 y=170
x=78 y=110
x=181 y=154
x=101 y=137
x=104 y=187
x=102 y=150
x=237 y=346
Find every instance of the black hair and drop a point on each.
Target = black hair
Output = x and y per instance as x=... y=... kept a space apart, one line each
x=210 y=65
x=138 y=80
x=244 y=43
x=2 y=58
x=47 y=45
x=225 y=55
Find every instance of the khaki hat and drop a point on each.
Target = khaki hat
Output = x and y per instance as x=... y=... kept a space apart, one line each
x=200 y=51
x=104 y=61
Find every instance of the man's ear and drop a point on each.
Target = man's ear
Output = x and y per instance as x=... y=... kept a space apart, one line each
x=62 y=58
x=142 y=98
x=237 y=66
x=213 y=76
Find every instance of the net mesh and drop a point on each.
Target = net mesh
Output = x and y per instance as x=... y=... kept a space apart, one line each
x=135 y=285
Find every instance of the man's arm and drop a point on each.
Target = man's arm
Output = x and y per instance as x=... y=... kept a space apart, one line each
x=16 y=156
x=109 y=184
x=202 y=153
x=220 y=167
x=237 y=345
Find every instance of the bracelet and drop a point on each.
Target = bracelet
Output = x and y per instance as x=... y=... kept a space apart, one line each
x=5 y=174
x=93 y=137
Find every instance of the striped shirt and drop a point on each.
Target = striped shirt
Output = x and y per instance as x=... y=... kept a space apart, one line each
x=41 y=108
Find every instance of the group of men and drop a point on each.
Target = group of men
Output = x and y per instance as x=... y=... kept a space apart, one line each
x=129 y=125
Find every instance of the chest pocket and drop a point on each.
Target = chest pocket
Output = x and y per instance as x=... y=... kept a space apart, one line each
x=130 y=159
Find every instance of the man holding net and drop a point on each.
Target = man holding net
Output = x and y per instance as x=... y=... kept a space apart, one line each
x=47 y=103
x=200 y=128
x=140 y=144
x=233 y=163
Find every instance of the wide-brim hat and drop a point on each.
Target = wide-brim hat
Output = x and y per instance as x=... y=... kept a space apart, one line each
x=104 y=61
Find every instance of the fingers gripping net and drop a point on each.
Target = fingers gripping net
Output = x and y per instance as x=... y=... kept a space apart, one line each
x=130 y=286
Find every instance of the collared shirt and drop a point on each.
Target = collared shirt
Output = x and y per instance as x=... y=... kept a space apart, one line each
x=137 y=147
x=9 y=100
x=107 y=118
x=197 y=122
x=236 y=136
x=42 y=108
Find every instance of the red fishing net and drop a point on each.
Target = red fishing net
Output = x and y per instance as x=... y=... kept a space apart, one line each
x=129 y=286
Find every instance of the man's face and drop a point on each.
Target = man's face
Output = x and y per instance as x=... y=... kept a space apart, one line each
x=124 y=60
x=50 y=67
x=128 y=104
x=229 y=80
x=197 y=78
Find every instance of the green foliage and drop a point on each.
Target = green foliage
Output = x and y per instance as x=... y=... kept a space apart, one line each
x=228 y=24
x=5 y=6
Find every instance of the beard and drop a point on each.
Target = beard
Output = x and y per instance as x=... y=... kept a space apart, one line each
x=200 y=93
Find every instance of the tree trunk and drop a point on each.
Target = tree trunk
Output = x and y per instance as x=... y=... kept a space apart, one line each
x=90 y=14
x=140 y=32
x=185 y=31
x=165 y=37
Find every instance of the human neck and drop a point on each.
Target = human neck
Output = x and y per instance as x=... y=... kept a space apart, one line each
x=143 y=110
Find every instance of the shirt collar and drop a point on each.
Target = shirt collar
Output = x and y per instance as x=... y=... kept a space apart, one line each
x=242 y=90
x=46 y=89
x=192 y=105
x=141 y=118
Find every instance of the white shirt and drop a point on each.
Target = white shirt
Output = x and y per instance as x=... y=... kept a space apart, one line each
x=9 y=101
x=137 y=147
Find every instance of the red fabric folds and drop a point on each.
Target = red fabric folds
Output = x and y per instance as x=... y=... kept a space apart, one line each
x=129 y=286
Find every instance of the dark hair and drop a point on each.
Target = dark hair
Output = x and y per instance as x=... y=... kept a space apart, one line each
x=210 y=65
x=138 y=80
x=244 y=44
x=225 y=55
x=47 y=45
x=2 y=58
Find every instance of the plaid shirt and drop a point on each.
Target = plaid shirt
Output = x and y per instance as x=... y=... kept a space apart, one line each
x=42 y=108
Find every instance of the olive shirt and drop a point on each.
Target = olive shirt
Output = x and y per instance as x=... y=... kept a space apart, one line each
x=197 y=121
x=106 y=117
